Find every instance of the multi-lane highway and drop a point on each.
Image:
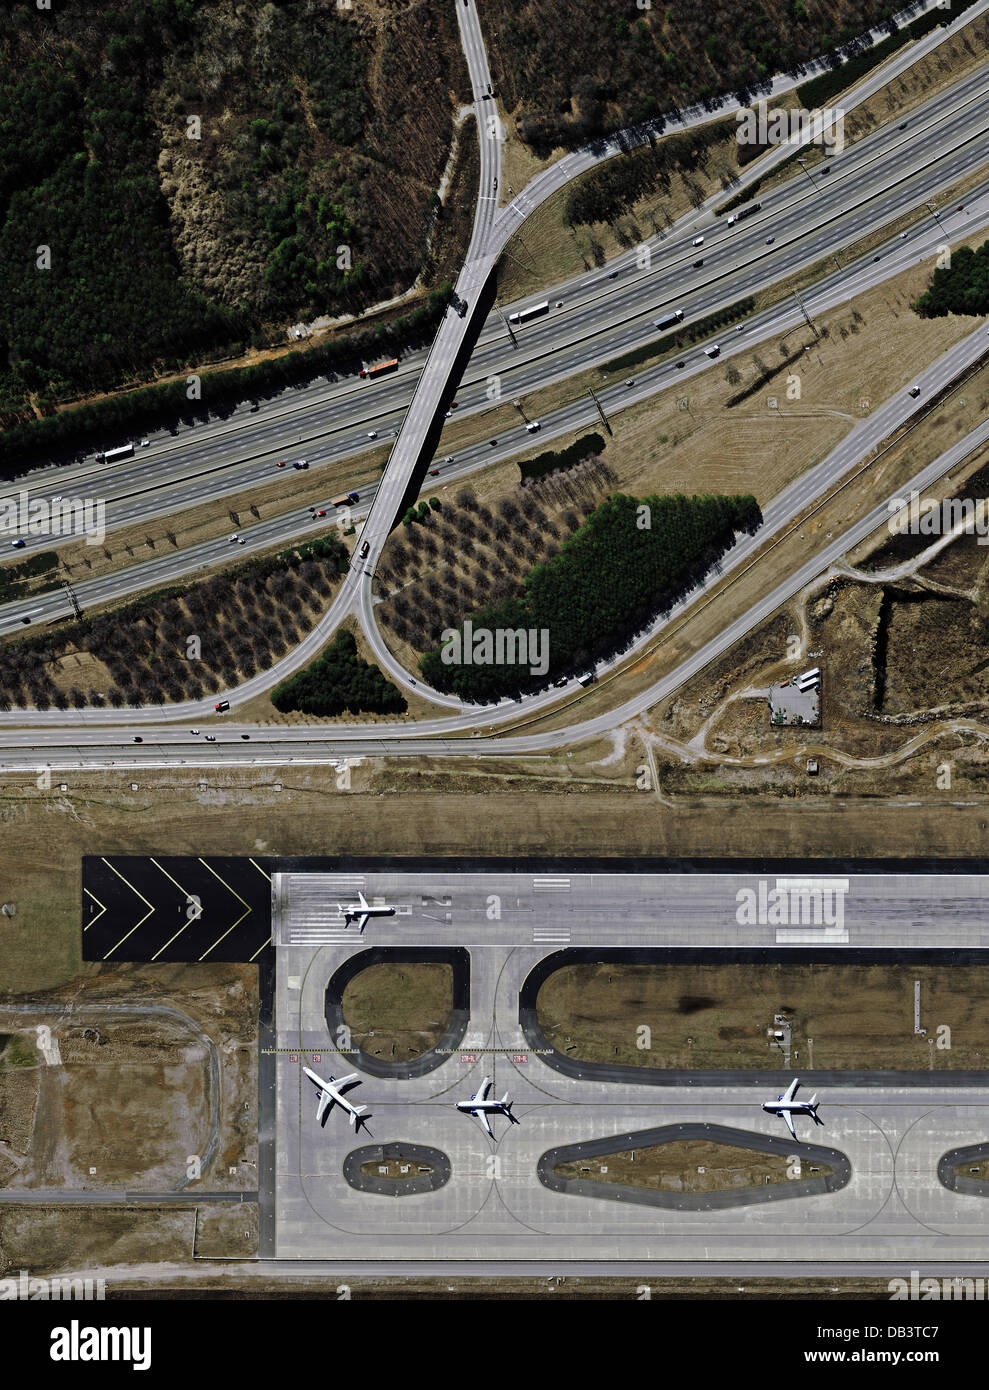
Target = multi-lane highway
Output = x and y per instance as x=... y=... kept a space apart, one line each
x=602 y=314
x=69 y=740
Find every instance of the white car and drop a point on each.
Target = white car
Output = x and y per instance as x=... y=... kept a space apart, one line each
x=698 y=241
x=145 y=443
x=234 y=538
x=372 y=434
x=194 y=731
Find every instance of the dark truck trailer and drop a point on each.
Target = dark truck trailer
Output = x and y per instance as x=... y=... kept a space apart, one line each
x=743 y=212
x=669 y=320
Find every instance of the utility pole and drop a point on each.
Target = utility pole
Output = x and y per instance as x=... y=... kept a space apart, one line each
x=597 y=406
x=807 y=318
x=72 y=598
x=508 y=329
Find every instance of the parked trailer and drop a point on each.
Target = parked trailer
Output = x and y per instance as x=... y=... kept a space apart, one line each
x=669 y=320
x=111 y=455
x=524 y=315
x=743 y=212
x=809 y=679
x=367 y=372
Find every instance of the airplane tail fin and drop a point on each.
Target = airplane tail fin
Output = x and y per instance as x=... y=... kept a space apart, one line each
x=356 y=1113
x=506 y=1105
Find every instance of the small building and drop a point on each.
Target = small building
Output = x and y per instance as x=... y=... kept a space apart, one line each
x=796 y=700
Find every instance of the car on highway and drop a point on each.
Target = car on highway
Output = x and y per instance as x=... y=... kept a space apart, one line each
x=533 y=426
x=245 y=735
x=629 y=381
x=19 y=543
x=698 y=241
x=559 y=303
x=221 y=705
x=145 y=443
x=770 y=240
x=372 y=434
x=681 y=364
x=234 y=538
x=434 y=472
x=57 y=497
x=210 y=738
x=281 y=464
x=914 y=391
x=301 y=463
x=713 y=350
x=321 y=511
x=194 y=731
x=138 y=738
x=365 y=548
x=448 y=458
x=697 y=264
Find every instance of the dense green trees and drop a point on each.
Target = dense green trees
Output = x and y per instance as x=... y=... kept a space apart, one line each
x=629 y=561
x=961 y=289
x=337 y=681
x=130 y=250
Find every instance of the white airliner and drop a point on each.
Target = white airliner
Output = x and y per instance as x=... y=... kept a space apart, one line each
x=360 y=912
x=786 y=1107
x=330 y=1094
x=480 y=1106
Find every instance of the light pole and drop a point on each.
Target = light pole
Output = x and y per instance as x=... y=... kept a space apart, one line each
x=803 y=166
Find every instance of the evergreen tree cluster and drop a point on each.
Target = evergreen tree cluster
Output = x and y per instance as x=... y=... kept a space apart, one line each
x=339 y=681
x=961 y=288
x=631 y=559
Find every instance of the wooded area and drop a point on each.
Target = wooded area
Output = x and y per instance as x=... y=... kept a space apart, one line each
x=130 y=249
x=578 y=71
x=630 y=560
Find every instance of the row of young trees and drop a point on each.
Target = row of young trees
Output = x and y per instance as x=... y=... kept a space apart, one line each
x=631 y=559
x=181 y=643
x=469 y=555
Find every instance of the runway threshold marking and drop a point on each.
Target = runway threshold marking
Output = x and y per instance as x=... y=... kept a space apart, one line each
x=185 y=924
x=260 y=870
x=240 y=919
x=144 y=900
x=99 y=914
x=263 y=945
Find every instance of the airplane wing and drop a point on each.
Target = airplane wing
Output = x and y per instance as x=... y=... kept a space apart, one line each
x=341 y=1081
x=789 y=1122
x=483 y=1115
x=791 y=1090
x=363 y=899
x=362 y=921
x=485 y=1088
x=325 y=1103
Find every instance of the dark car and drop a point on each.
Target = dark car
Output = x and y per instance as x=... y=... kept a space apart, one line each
x=221 y=705
x=138 y=738
x=681 y=364
x=365 y=548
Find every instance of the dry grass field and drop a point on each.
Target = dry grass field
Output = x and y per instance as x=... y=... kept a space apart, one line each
x=850 y=1017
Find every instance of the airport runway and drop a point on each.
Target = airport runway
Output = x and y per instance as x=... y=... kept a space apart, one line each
x=494 y=1208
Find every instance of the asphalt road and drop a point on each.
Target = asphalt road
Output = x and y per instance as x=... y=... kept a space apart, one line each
x=867 y=183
